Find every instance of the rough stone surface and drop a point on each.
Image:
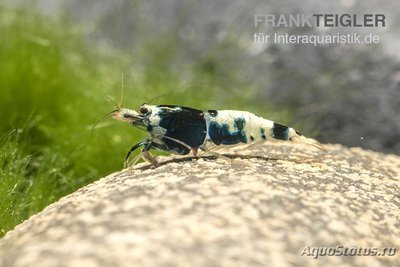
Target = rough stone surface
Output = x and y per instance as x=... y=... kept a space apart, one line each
x=247 y=211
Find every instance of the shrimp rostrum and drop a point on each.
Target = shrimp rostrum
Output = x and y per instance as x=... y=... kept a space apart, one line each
x=181 y=130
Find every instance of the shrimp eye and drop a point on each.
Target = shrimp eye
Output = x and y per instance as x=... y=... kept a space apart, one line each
x=143 y=110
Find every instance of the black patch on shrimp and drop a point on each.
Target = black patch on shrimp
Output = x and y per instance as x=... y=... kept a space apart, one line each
x=280 y=131
x=213 y=112
x=185 y=124
x=263 y=136
x=298 y=132
x=220 y=133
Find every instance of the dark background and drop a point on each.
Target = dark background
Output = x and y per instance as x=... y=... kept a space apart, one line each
x=351 y=93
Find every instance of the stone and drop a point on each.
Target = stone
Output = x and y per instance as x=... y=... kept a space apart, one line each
x=263 y=208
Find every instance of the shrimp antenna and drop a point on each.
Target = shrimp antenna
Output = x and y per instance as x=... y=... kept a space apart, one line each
x=157 y=97
x=112 y=101
x=108 y=115
x=122 y=89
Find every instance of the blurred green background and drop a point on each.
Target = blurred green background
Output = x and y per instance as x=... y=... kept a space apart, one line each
x=58 y=68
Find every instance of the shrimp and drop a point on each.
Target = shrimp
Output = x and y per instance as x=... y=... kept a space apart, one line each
x=181 y=130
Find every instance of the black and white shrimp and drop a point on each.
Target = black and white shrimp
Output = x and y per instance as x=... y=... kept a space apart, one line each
x=181 y=130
